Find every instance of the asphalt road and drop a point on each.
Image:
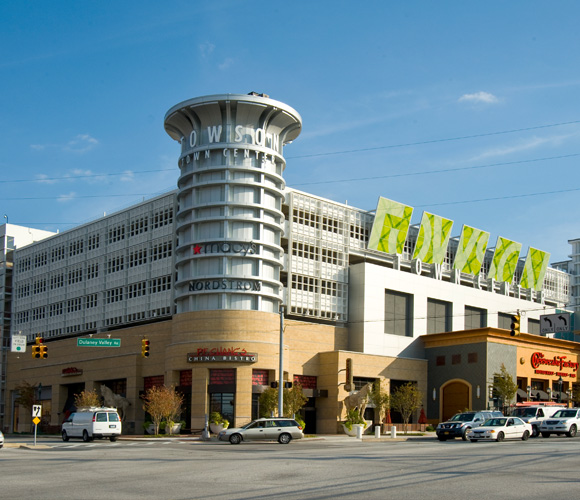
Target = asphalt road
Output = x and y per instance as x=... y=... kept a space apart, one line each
x=306 y=469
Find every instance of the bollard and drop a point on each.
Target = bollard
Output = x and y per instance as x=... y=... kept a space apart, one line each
x=359 y=431
x=393 y=432
x=377 y=431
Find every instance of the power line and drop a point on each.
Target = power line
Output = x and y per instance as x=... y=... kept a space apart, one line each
x=419 y=143
x=444 y=170
x=330 y=153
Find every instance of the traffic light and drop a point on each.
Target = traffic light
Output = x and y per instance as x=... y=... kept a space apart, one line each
x=287 y=385
x=349 y=386
x=39 y=350
x=145 y=345
x=274 y=385
x=515 y=326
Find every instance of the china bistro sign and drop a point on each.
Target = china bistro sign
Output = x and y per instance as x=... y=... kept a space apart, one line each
x=559 y=362
x=222 y=354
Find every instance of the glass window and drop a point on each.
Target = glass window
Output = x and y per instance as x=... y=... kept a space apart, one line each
x=533 y=326
x=101 y=417
x=398 y=313
x=504 y=321
x=475 y=318
x=438 y=316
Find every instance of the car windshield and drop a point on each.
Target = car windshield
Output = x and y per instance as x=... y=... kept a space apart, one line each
x=462 y=417
x=565 y=414
x=495 y=422
x=524 y=412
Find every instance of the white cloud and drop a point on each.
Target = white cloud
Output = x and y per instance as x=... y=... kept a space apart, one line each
x=81 y=144
x=128 y=176
x=528 y=144
x=63 y=198
x=206 y=48
x=479 y=97
x=44 y=179
x=226 y=64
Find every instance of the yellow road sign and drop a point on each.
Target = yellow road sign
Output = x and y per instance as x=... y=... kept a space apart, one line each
x=36 y=420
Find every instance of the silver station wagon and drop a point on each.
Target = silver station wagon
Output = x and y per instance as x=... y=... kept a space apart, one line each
x=282 y=430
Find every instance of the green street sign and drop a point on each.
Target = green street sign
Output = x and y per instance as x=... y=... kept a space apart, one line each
x=88 y=342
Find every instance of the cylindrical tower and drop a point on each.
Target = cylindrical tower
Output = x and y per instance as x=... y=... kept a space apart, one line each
x=230 y=192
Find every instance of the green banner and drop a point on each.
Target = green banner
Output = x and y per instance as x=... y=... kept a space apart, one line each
x=432 y=239
x=535 y=269
x=505 y=260
x=390 y=226
x=471 y=250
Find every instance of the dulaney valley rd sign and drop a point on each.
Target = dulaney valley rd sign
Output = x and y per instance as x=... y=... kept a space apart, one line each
x=89 y=342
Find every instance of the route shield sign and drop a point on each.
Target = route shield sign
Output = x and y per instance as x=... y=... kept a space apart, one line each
x=18 y=343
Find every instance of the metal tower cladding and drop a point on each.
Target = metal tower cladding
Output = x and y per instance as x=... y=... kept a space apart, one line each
x=230 y=192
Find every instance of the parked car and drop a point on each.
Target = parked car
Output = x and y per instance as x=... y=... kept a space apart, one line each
x=565 y=421
x=498 y=429
x=461 y=423
x=282 y=430
x=1 y=439
x=92 y=423
x=534 y=415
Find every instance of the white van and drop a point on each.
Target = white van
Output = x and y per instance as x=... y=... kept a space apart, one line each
x=534 y=415
x=92 y=423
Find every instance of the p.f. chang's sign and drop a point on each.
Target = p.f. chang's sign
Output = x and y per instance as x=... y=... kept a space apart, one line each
x=221 y=354
x=559 y=362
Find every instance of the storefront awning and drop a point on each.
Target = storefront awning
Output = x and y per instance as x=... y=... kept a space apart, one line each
x=539 y=395
x=522 y=394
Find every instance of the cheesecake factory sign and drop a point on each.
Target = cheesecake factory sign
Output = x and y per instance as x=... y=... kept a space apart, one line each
x=221 y=355
x=554 y=365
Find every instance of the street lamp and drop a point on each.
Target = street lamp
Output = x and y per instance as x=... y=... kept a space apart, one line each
x=560 y=381
x=529 y=391
x=549 y=393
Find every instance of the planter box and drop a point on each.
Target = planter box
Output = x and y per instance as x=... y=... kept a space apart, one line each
x=217 y=428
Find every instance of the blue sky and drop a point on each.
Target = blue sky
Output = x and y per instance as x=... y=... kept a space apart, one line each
x=462 y=109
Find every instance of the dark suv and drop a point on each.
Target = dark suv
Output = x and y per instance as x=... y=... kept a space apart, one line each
x=459 y=425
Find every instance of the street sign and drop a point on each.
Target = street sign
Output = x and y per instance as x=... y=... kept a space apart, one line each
x=36 y=410
x=18 y=343
x=555 y=323
x=89 y=342
x=35 y=420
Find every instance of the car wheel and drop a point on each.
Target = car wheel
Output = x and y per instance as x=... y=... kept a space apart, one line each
x=235 y=439
x=86 y=437
x=464 y=436
x=441 y=438
x=473 y=440
x=500 y=437
x=65 y=436
x=545 y=434
x=572 y=432
x=284 y=438
x=526 y=435
x=535 y=431
x=113 y=439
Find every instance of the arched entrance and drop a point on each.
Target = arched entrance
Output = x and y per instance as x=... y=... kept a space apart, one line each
x=455 y=397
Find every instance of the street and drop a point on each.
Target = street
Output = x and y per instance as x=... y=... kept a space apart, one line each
x=313 y=469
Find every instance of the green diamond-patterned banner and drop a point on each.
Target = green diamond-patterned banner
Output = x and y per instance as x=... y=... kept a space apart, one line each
x=471 y=250
x=535 y=269
x=505 y=260
x=390 y=226
x=432 y=239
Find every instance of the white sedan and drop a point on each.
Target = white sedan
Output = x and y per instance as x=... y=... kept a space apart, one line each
x=498 y=429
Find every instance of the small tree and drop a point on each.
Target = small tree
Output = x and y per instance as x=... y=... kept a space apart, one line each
x=294 y=401
x=87 y=399
x=406 y=400
x=504 y=386
x=380 y=398
x=27 y=395
x=162 y=403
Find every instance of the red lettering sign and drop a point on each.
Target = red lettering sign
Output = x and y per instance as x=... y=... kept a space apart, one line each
x=221 y=351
